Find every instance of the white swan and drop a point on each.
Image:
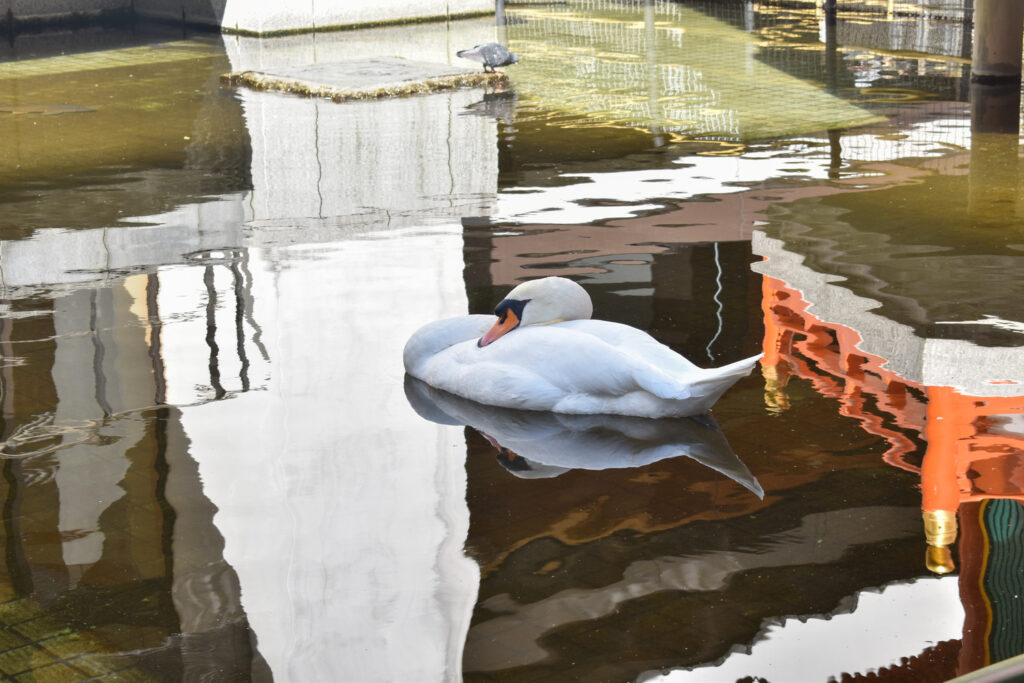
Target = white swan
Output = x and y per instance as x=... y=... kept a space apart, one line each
x=544 y=353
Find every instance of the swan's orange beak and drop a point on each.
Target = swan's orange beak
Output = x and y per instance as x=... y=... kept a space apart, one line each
x=505 y=324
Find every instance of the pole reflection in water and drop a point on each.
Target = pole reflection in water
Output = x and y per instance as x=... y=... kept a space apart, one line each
x=113 y=563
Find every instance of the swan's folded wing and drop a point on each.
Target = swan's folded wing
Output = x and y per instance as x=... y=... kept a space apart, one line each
x=636 y=343
x=575 y=361
x=660 y=370
x=434 y=337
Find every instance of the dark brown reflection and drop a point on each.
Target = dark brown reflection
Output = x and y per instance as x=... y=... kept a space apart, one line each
x=605 y=575
x=112 y=562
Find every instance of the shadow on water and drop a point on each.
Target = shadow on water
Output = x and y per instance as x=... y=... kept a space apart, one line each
x=210 y=467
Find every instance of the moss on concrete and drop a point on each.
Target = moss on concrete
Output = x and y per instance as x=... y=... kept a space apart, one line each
x=13 y=25
x=306 y=88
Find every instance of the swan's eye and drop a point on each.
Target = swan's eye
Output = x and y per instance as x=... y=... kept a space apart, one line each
x=514 y=305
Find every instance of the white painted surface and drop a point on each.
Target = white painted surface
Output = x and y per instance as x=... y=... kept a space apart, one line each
x=263 y=16
x=343 y=512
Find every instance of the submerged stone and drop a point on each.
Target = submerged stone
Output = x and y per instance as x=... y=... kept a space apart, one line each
x=44 y=109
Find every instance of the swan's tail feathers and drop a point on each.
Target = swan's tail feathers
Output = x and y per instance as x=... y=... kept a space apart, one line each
x=740 y=367
x=699 y=389
x=726 y=375
x=705 y=386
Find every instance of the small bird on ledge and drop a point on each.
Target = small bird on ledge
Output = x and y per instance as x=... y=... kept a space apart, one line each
x=491 y=55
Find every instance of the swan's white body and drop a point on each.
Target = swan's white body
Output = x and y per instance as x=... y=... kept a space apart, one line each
x=548 y=361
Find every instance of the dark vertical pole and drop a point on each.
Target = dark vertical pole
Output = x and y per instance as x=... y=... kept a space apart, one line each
x=99 y=353
x=996 y=66
x=155 y=341
x=239 y=290
x=499 y=22
x=831 y=47
x=995 y=108
x=832 y=83
x=653 y=80
x=15 y=562
x=997 y=46
x=835 y=152
x=966 y=47
x=211 y=333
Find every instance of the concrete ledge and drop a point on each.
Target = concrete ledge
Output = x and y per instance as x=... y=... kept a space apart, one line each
x=365 y=79
x=241 y=17
x=273 y=18
x=235 y=30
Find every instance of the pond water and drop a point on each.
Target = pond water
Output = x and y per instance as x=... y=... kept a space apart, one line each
x=214 y=467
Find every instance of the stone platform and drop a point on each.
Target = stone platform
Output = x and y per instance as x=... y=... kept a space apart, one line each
x=365 y=78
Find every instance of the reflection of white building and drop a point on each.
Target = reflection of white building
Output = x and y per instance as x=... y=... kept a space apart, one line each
x=235 y=398
x=344 y=512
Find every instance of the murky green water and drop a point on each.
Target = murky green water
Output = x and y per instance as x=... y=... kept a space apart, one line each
x=215 y=469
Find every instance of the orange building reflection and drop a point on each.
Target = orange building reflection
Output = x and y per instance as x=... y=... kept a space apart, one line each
x=972 y=470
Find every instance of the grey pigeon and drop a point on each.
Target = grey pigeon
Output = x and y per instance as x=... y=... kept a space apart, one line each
x=490 y=55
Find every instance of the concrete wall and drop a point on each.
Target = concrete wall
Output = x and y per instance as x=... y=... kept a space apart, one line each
x=206 y=12
x=27 y=10
x=253 y=17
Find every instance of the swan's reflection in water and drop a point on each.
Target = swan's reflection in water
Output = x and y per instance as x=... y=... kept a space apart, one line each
x=541 y=444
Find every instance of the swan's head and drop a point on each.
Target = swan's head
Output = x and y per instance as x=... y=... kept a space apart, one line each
x=539 y=302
